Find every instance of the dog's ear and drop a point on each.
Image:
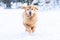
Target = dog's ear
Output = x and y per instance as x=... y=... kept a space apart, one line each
x=24 y=7
x=36 y=7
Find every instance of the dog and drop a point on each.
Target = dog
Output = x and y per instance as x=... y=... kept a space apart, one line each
x=30 y=17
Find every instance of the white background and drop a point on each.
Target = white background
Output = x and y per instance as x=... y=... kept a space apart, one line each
x=11 y=25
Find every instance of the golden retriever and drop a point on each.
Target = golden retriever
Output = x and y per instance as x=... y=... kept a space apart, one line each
x=30 y=18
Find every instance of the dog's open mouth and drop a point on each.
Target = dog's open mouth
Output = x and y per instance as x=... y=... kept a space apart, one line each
x=30 y=13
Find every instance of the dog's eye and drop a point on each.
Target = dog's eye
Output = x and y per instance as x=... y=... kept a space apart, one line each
x=31 y=9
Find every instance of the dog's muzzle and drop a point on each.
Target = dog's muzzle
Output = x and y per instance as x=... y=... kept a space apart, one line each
x=30 y=13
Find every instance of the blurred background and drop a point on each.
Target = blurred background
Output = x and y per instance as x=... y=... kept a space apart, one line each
x=11 y=20
x=18 y=3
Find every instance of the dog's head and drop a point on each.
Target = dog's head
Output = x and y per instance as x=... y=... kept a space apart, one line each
x=30 y=10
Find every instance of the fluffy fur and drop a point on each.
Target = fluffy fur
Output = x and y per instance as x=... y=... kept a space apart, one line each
x=29 y=20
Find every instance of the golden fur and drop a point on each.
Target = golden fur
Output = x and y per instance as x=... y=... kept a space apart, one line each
x=30 y=21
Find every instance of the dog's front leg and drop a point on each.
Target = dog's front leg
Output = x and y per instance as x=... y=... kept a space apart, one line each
x=28 y=28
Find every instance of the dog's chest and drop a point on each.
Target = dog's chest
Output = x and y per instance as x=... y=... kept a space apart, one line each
x=29 y=19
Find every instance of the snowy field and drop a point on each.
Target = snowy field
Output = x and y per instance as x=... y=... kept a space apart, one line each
x=11 y=25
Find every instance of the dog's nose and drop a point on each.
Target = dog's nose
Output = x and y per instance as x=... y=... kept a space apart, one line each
x=30 y=13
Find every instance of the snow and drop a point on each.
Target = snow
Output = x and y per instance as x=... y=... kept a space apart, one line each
x=12 y=28
x=16 y=5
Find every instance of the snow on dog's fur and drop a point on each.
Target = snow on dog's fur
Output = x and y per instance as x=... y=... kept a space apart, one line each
x=30 y=18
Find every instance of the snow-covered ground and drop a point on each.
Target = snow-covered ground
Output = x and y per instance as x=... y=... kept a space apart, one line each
x=11 y=25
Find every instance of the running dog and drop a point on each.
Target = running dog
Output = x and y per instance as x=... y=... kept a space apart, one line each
x=30 y=17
